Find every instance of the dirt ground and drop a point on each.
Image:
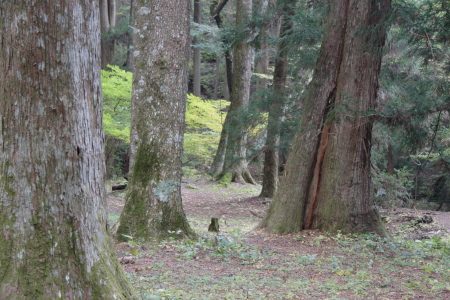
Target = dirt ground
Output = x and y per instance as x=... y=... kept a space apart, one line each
x=239 y=211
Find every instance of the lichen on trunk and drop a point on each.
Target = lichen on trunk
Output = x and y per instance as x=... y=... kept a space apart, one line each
x=153 y=208
x=54 y=242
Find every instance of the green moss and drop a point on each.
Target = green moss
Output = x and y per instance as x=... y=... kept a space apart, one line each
x=205 y=115
x=146 y=166
x=226 y=179
x=131 y=219
x=107 y=278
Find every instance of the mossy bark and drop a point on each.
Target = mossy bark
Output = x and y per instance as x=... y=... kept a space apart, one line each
x=54 y=242
x=327 y=182
x=153 y=208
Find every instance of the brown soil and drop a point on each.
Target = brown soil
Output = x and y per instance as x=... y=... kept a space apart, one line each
x=239 y=209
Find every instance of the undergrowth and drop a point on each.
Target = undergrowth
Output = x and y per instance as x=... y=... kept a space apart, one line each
x=226 y=266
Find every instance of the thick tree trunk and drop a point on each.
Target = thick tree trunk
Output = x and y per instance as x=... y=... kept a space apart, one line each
x=243 y=55
x=107 y=22
x=153 y=207
x=327 y=183
x=54 y=241
x=276 y=108
x=197 y=54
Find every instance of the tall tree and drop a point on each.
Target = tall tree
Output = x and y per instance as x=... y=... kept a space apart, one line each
x=219 y=159
x=215 y=10
x=54 y=240
x=129 y=62
x=235 y=162
x=197 y=53
x=327 y=183
x=276 y=107
x=107 y=22
x=153 y=207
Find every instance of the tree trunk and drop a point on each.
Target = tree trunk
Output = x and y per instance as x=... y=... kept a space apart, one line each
x=153 y=207
x=129 y=61
x=54 y=242
x=216 y=8
x=243 y=55
x=216 y=79
x=107 y=22
x=197 y=53
x=219 y=159
x=390 y=160
x=276 y=108
x=327 y=183
x=262 y=68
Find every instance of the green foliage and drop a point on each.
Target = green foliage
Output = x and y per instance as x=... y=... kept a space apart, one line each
x=205 y=115
x=203 y=121
x=203 y=126
x=117 y=85
x=208 y=37
x=413 y=97
x=393 y=190
x=131 y=244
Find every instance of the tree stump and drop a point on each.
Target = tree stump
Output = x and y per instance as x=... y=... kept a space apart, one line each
x=214 y=226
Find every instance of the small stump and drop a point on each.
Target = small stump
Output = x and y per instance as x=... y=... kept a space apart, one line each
x=214 y=226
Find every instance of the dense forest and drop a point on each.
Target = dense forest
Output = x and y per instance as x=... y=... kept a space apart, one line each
x=408 y=153
x=337 y=109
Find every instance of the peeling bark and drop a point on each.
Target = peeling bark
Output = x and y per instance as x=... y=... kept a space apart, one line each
x=327 y=182
x=153 y=208
x=53 y=242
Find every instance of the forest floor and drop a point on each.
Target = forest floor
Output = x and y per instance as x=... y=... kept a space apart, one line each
x=242 y=262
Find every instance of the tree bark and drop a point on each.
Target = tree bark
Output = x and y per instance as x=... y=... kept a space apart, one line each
x=390 y=160
x=243 y=54
x=276 y=108
x=215 y=10
x=129 y=61
x=107 y=22
x=219 y=158
x=54 y=240
x=153 y=207
x=327 y=183
x=197 y=53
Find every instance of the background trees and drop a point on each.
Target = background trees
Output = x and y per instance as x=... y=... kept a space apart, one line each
x=411 y=116
x=54 y=241
x=153 y=208
x=277 y=106
x=108 y=10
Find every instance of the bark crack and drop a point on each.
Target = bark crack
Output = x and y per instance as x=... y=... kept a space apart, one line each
x=314 y=187
x=315 y=181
